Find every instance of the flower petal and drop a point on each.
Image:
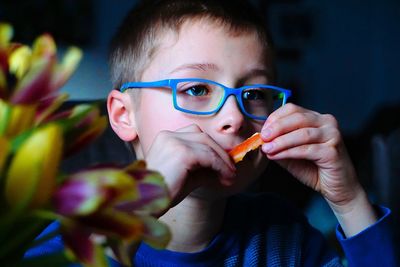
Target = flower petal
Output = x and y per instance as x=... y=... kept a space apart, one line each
x=4 y=151
x=123 y=250
x=67 y=66
x=77 y=197
x=87 y=191
x=16 y=118
x=48 y=106
x=35 y=85
x=76 y=117
x=78 y=240
x=6 y=33
x=153 y=200
x=7 y=80
x=112 y=223
x=20 y=61
x=5 y=115
x=3 y=81
x=156 y=234
x=31 y=177
x=154 y=194
x=83 y=125
x=3 y=74
x=43 y=47
x=4 y=60
x=88 y=135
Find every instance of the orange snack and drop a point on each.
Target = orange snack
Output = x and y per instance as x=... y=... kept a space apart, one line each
x=251 y=143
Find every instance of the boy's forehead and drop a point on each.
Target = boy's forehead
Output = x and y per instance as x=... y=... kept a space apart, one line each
x=208 y=44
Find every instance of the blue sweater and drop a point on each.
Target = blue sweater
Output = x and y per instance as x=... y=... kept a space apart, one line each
x=262 y=230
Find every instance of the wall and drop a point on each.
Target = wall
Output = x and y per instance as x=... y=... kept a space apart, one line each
x=349 y=64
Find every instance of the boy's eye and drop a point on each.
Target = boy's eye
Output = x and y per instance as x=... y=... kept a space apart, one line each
x=197 y=90
x=253 y=94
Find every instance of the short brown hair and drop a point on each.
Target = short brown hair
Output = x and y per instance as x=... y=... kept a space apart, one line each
x=136 y=39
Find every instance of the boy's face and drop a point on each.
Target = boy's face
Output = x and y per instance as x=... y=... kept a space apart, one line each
x=204 y=50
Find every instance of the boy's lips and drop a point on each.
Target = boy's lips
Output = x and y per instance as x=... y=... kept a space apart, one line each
x=228 y=149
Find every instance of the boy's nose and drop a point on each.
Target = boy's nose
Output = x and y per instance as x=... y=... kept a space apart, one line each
x=230 y=117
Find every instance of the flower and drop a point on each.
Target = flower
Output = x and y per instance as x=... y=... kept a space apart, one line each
x=4 y=150
x=121 y=208
x=98 y=207
x=31 y=176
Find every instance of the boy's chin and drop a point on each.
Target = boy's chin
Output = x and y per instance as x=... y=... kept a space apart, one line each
x=217 y=191
x=248 y=171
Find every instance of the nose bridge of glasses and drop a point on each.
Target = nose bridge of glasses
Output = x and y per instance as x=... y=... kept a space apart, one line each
x=236 y=93
x=233 y=91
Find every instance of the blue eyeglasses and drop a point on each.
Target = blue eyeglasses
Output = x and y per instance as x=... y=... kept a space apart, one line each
x=205 y=97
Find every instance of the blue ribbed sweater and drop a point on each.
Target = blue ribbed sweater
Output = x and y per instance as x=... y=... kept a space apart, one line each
x=262 y=230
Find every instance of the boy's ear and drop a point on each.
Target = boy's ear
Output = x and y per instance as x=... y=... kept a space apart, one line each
x=120 y=113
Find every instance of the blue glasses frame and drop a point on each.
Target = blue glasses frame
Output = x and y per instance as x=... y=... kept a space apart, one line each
x=237 y=92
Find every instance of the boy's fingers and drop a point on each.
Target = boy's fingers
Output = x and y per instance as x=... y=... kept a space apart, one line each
x=193 y=133
x=313 y=152
x=187 y=155
x=204 y=138
x=202 y=151
x=194 y=156
x=291 y=123
x=297 y=137
x=284 y=111
x=207 y=157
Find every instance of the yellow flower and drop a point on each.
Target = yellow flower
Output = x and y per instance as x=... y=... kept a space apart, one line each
x=30 y=180
x=20 y=61
x=37 y=71
x=16 y=119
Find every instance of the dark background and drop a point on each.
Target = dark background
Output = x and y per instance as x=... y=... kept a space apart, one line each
x=340 y=57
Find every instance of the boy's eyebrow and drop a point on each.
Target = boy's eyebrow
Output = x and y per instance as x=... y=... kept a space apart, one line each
x=253 y=73
x=196 y=66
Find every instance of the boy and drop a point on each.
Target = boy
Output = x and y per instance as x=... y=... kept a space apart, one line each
x=171 y=60
x=194 y=80
x=176 y=47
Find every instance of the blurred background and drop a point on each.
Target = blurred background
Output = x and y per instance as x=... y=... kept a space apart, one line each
x=340 y=57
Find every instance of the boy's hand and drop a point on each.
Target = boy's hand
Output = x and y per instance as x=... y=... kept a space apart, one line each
x=189 y=158
x=309 y=145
